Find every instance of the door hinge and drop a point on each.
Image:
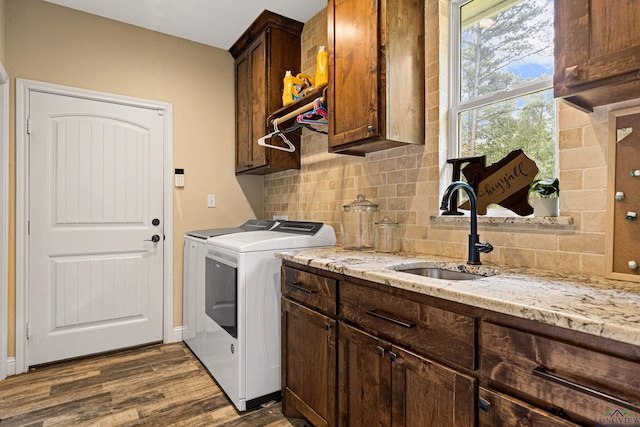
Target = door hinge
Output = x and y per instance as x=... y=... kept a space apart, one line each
x=28 y=328
x=29 y=125
x=160 y=111
x=28 y=228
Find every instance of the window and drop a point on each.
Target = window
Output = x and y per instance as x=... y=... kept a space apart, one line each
x=502 y=80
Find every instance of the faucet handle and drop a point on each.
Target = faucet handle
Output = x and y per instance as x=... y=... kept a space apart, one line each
x=485 y=247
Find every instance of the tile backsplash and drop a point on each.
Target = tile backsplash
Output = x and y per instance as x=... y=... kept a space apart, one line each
x=405 y=181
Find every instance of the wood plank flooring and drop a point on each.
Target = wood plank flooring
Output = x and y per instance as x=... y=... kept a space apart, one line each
x=158 y=385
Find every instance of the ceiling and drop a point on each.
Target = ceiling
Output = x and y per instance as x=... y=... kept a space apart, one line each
x=216 y=23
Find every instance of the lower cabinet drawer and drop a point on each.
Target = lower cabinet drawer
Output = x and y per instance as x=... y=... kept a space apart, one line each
x=499 y=410
x=310 y=289
x=442 y=334
x=582 y=385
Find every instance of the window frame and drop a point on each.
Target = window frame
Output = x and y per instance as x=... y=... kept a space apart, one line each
x=455 y=105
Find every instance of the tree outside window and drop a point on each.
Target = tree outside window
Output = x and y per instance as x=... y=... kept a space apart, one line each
x=503 y=97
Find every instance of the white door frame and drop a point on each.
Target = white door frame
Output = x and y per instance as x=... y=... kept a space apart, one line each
x=4 y=217
x=23 y=88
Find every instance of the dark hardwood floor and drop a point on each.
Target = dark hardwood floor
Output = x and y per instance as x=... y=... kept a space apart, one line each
x=157 y=385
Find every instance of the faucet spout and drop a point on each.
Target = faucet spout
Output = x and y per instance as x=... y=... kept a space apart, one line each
x=475 y=246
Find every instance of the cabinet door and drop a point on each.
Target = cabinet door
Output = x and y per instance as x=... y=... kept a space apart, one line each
x=308 y=364
x=383 y=385
x=499 y=410
x=251 y=105
x=597 y=50
x=364 y=379
x=614 y=38
x=425 y=393
x=355 y=73
x=244 y=155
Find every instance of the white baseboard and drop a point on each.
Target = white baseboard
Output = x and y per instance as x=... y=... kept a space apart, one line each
x=11 y=366
x=177 y=334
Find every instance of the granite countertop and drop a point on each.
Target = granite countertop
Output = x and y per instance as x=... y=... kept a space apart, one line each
x=590 y=304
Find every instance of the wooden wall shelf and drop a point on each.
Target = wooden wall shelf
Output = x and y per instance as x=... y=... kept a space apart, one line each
x=297 y=105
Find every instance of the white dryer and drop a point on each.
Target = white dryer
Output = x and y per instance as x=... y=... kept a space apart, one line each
x=242 y=296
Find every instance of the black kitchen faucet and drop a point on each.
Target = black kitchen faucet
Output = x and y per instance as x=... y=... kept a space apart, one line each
x=475 y=246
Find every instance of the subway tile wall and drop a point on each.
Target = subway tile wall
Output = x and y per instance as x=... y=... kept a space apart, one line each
x=405 y=181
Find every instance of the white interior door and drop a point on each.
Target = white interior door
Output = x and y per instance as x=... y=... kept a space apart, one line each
x=95 y=280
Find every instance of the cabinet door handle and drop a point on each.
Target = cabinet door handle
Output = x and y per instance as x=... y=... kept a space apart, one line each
x=302 y=288
x=484 y=404
x=374 y=313
x=571 y=72
x=542 y=372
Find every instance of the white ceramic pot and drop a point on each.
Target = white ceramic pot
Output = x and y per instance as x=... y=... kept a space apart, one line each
x=545 y=206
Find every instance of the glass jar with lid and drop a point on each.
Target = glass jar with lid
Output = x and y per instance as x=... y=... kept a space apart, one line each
x=358 y=219
x=387 y=236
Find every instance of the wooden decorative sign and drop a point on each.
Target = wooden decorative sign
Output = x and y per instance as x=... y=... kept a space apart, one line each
x=505 y=183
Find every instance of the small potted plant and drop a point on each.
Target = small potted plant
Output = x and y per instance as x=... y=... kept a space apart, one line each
x=548 y=191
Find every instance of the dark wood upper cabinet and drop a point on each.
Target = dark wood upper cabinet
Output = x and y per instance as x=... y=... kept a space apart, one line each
x=597 y=51
x=264 y=52
x=377 y=74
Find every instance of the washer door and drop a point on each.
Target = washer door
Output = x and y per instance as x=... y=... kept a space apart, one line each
x=221 y=293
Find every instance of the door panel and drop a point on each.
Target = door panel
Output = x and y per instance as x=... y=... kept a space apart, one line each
x=426 y=393
x=364 y=390
x=356 y=80
x=100 y=167
x=95 y=185
x=244 y=153
x=259 y=108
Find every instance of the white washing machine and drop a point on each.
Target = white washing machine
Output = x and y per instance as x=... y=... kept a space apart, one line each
x=242 y=296
x=193 y=309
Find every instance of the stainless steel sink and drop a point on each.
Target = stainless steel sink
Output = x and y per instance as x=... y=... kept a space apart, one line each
x=441 y=273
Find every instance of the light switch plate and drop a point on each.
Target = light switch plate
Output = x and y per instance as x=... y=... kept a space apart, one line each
x=211 y=200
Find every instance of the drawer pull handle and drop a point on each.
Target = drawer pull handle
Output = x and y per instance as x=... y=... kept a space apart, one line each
x=302 y=288
x=391 y=319
x=542 y=372
x=484 y=404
